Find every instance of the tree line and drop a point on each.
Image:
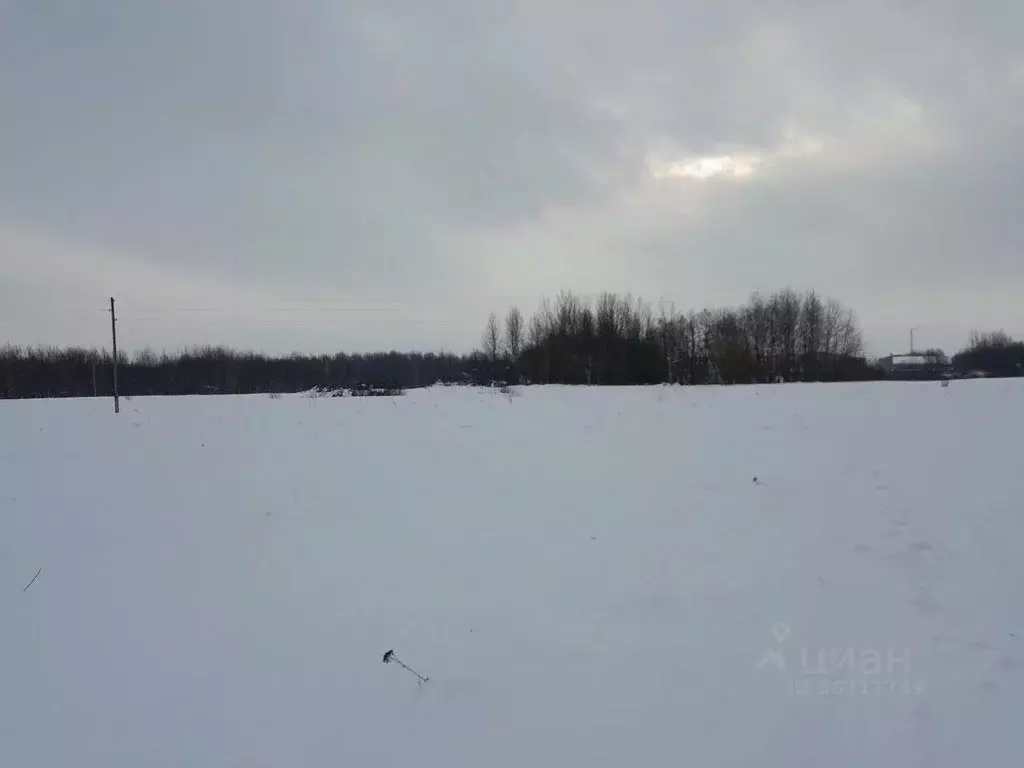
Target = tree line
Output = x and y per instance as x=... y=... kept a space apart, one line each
x=994 y=354
x=613 y=339
x=616 y=339
x=77 y=372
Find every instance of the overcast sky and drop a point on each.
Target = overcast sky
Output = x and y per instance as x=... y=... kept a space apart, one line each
x=323 y=175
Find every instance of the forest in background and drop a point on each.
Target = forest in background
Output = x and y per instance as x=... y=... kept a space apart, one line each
x=612 y=340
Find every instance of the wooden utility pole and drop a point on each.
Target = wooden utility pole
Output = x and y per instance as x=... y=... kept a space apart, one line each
x=668 y=339
x=113 y=333
x=672 y=338
x=664 y=339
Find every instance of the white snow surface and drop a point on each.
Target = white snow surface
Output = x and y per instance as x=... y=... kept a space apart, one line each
x=588 y=576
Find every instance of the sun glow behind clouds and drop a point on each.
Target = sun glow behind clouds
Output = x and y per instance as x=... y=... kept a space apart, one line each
x=710 y=166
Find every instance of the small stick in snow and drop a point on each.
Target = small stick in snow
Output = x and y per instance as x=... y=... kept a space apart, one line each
x=33 y=581
x=390 y=658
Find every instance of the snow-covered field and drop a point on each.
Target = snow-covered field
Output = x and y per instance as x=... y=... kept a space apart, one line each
x=589 y=577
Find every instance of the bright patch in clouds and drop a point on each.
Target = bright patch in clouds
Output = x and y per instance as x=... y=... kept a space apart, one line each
x=731 y=166
x=795 y=145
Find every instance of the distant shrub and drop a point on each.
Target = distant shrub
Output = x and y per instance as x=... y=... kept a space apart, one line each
x=318 y=392
x=369 y=390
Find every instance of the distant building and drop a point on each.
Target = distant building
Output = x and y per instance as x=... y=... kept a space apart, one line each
x=916 y=367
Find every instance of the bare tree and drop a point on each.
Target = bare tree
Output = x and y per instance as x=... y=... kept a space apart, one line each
x=994 y=339
x=841 y=332
x=784 y=307
x=514 y=334
x=542 y=324
x=850 y=338
x=832 y=317
x=728 y=345
x=492 y=338
x=757 y=325
x=538 y=337
x=812 y=313
x=568 y=309
x=536 y=333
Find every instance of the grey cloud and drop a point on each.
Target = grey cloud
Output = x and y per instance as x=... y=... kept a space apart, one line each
x=289 y=140
x=439 y=155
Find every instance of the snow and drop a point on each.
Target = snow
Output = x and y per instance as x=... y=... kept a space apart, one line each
x=588 y=576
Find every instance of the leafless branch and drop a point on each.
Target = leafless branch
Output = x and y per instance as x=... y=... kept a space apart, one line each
x=33 y=580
